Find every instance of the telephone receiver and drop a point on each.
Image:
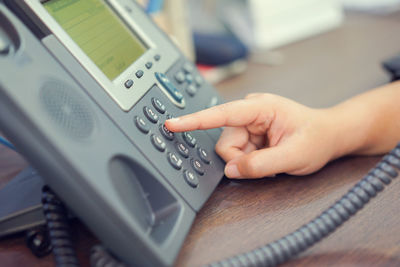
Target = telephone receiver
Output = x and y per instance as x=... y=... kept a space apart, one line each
x=85 y=88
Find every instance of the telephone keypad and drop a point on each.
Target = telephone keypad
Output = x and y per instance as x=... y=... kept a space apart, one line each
x=141 y=124
x=150 y=114
x=175 y=160
x=158 y=142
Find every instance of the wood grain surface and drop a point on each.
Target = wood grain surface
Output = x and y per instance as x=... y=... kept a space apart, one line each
x=244 y=214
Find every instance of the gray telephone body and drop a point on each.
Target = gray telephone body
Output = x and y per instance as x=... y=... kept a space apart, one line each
x=100 y=143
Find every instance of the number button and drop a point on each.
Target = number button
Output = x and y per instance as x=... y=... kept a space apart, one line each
x=166 y=133
x=141 y=124
x=175 y=161
x=189 y=139
x=158 y=105
x=182 y=149
x=204 y=156
x=191 y=89
x=158 y=142
x=191 y=178
x=197 y=166
x=150 y=114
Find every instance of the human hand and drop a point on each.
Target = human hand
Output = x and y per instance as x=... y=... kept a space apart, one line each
x=266 y=134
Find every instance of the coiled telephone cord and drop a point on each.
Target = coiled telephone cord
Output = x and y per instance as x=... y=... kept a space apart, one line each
x=328 y=221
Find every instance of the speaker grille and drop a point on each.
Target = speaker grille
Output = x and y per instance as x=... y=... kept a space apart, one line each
x=67 y=109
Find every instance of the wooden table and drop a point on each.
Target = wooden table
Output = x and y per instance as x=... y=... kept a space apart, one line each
x=242 y=215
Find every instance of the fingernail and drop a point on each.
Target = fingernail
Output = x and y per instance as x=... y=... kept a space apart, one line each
x=232 y=171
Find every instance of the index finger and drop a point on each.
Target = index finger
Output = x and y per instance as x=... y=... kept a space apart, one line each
x=235 y=113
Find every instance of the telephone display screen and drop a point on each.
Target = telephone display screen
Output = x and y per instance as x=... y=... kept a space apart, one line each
x=100 y=33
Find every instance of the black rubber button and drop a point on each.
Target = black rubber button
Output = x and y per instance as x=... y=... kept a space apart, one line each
x=180 y=77
x=139 y=73
x=128 y=83
x=149 y=65
x=191 y=178
x=204 y=155
x=150 y=114
x=191 y=89
x=189 y=78
x=158 y=142
x=197 y=166
x=158 y=105
x=198 y=80
x=141 y=124
x=189 y=139
x=175 y=161
x=166 y=133
x=182 y=149
x=157 y=57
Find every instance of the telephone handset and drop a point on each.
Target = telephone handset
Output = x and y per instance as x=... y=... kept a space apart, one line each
x=85 y=88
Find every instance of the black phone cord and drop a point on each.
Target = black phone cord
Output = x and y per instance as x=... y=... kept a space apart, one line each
x=328 y=221
x=58 y=229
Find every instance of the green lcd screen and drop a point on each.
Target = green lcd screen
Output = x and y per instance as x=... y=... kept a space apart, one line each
x=100 y=33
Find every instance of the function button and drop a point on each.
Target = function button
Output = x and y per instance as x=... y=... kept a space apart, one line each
x=158 y=105
x=188 y=68
x=182 y=149
x=191 y=90
x=166 y=133
x=171 y=89
x=141 y=124
x=197 y=166
x=158 y=142
x=191 y=178
x=189 y=78
x=189 y=139
x=149 y=65
x=198 y=80
x=157 y=57
x=180 y=77
x=175 y=161
x=139 y=74
x=128 y=84
x=204 y=156
x=150 y=114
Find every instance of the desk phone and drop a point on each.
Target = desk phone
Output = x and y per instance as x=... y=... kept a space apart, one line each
x=85 y=88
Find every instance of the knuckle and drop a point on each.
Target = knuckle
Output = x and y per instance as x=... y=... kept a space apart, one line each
x=249 y=167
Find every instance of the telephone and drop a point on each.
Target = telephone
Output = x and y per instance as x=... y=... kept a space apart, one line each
x=85 y=86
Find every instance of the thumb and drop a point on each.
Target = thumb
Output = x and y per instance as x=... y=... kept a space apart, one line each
x=262 y=163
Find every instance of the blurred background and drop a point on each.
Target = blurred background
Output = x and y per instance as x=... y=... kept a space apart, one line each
x=223 y=36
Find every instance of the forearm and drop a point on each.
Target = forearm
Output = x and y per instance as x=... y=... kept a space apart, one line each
x=369 y=123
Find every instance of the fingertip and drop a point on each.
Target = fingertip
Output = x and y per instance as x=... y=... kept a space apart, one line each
x=172 y=124
x=232 y=171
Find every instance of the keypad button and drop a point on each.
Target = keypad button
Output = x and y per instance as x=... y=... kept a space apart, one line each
x=166 y=133
x=175 y=161
x=171 y=89
x=139 y=73
x=150 y=114
x=182 y=149
x=191 y=178
x=158 y=105
x=180 y=77
x=141 y=124
x=204 y=155
x=191 y=89
x=149 y=65
x=197 y=166
x=158 y=142
x=188 y=68
x=189 y=139
x=128 y=84
x=189 y=78
x=157 y=57
x=198 y=80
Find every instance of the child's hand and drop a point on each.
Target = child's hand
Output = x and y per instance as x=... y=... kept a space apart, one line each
x=265 y=135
